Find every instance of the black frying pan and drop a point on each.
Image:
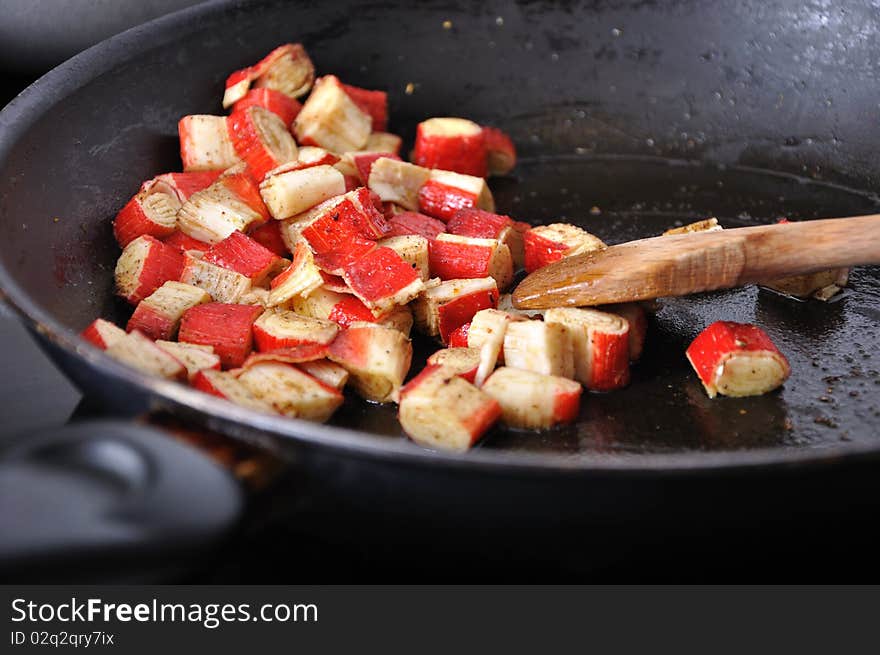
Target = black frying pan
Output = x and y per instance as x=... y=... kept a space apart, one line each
x=629 y=118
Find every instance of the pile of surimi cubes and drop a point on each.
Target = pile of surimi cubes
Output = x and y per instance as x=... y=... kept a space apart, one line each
x=297 y=250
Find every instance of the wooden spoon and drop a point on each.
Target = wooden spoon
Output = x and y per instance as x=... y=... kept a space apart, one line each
x=680 y=264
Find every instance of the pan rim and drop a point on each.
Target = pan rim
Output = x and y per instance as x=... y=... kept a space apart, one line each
x=28 y=107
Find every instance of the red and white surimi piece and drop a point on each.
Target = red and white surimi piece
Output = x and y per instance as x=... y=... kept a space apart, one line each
x=439 y=409
x=286 y=69
x=139 y=351
x=226 y=327
x=276 y=329
x=291 y=391
x=183 y=185
x=205 y=144
x=184 y=242
x=481 y=224
x=533 y=401
x=280 y=104
x=327 y=372
x=261 y=140
x=383 y=142
x=459 y=336
x=456 y=257
x=378 y=359
x=636 y=316
x=301 y=278
x=289 y=193
x=463 y=361
x=737 y=359
x=486 y=333
x=501 y=153
x=408 y=222
x=451 y=144
x=225 y=385
x=442 y=308
x=382 y=279
x=153 y=211
x=363 y=162
x=193 y=356
x=331 y=119
x=241 y=254
x=538 y=346
x=158 y=315
x=299 y=354
x=223 y=284
x=413 y=249
x=398 y=182
x=546 y=244
x=102 y=333
x=145 y=265
x=345 y=309
x=372 y=103
x=269 y=236
x=601 y=345
x=446 y=192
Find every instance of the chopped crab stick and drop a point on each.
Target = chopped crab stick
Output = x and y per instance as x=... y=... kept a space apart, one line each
x=382 y=280
x=331 y=119
x=363 y=162
x=446 y=192
x=255 y=296
x=463 y=361
x=226 y=385
x=481 y=224
x=546 y=244
x=635 y=315
x=261 y=140
x=439 y=409
x=269 y=236
x=414 y=223
x=145 y=265
x=707 y=225
x=226 y=327
x=345 y=309
x=241 y=254
x=383 y=142
x=372 y=103
x=327 y=372
x=102 y=333
x=398 y=182
x=737 y=359
x=183 y=185
x=301 y=278
x=314 y=156
x=139 y=351
x=280 y=104
x=821 y=285
x=451 y=144
x=413 y=249
x=456 y=257
x=486 y=334
x=231 y=203
x=286 y=69
x=276 y=329
x=334 y=237
x=534 y=401
x=291 y=391
x=304 y=352
x=500 y=151
x=205 y=144
x=152 y=211
x=601 y=345
x=184 y=242
x=158 y=315
x=443 y=307
x=290 y=193
x=540 y=347
x=223 y=284
x=378 y=359
x=194 y=357
x=459 y=336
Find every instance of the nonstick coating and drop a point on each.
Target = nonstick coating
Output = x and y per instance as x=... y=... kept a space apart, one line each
x=630 y=117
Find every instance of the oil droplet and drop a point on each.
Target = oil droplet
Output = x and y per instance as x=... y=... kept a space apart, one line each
x=499 y=21
x=447 y=25
x=410 y=88
x=615 y=32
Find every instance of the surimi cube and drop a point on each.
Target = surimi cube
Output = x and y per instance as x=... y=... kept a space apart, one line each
x=314 y=156
x=283 y=106
x=184 y=242
x=372 y=103
x=194 y=357
x=382 y=280
x=269 y=236
x=226 y=327
x=486 y=333
x=549 y=243
x=348 y=309
x=384 y=142
x=291 y=392
x=145 y=265
x=446 y=192
x=439 y=409
x=327 y=372
x=821 y=285
x=501 y=153
x=601 y=345
x=153 y=211
x=456 y=257
x=321 y=302
x=538 y=346
x=737 y=359
x=486 y=225
x=261 y=140
x=241 y=254
x=255 y=296
x=407 y=222
x=533 y=401
x=182 y=185
x=299 y=354
x=290 y=193
x=223 y=284
x=141 y=353
x=225 y=385
x=158 y=315
x=283 y=329
x=443 y=307
x=378 y=359
x=459 y=336
x=451 y=144
x=635 y=316
x=413 y=249
x=205 y=144
x=363 y=161
x=463 y=361
x=301 y=278
x=287 y=69
x=398 y=182
x=331 y=119
x=102 y=333
x=231 y=203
